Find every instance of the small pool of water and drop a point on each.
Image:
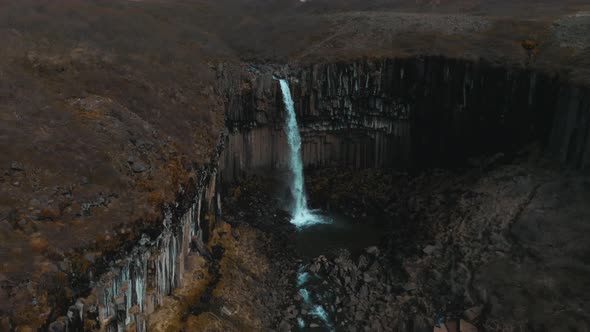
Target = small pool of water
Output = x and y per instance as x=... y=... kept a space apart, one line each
x=341 y=233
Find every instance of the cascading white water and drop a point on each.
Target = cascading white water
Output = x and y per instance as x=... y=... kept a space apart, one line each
x=301 y=215
x=317 y=310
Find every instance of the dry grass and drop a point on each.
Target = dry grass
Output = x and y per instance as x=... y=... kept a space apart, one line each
x=39 y=244
x=240 y=267
x=171 y=316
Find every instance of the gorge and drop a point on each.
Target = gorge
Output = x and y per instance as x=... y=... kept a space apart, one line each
x=294 y=166
x=419 y=121
x=435 y=152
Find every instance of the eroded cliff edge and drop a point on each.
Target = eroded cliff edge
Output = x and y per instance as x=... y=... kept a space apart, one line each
x=411 y=112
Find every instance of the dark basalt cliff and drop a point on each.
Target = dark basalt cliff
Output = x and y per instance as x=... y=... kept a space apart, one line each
x=485 y=235
x=134 y=283
x=418 y=112
x=392 y=113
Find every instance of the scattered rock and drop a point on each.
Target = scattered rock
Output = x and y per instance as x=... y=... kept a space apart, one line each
x=372 y=250
x=464 y=326
x=473 y=313
x=34 y=202
x=363 y=262
x=284 y=326
x=50 y=214
x=137 y=166
x=38 y=244
x=430 y=249
x=315 y=267
x=17 y=166
x=452 y=326
x=58 y=326
x=226 y=311
x=292 y=312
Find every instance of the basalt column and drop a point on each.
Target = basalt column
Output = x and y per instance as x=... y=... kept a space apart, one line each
x=400 y=113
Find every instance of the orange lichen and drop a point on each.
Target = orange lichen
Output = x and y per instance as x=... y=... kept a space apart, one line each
x=49 y=214
x=38 y=244
x=79 y=263
x=531 y=47
x=156 y=198
x=529 y=44
x=175 y=172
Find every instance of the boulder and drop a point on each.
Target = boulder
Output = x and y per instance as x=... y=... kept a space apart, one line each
x=137 y=165
x=58 y=326
x=17 y=166
x=473 y=313
x=429 y=249
x=464 y=326
x=442 y=328
x=372 y=250
x=284 y=326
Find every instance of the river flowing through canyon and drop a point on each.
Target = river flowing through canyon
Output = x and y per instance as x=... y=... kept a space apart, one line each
x=318 y=232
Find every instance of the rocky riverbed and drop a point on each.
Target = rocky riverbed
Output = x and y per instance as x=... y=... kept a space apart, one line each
x=463 y=250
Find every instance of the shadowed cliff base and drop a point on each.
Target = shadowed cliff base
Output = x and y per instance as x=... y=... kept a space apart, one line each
x=474 y=155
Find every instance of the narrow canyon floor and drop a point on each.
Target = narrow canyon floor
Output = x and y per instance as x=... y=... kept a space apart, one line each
x=482 y=248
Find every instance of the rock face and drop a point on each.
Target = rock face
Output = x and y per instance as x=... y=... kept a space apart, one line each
x=430 y=111
x=418 y=112
x=137 y=283
x=482 y=238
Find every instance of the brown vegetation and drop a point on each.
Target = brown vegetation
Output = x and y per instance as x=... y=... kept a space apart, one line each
x=39 y=244
x=85 y=85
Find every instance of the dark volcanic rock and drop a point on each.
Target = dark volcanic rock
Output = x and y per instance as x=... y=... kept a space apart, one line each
x=17 y=166
x=137 y=165
x=406 y=113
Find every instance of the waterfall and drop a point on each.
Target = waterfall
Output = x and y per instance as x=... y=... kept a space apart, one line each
x=301 y=215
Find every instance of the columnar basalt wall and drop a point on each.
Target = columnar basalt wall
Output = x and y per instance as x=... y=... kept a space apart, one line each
x=418 y=112
x=137 y=284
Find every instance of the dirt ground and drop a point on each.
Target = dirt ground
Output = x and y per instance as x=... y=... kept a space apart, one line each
x=244 y=291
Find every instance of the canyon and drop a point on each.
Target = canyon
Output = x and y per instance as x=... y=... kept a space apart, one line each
x=457 y=150
x=455 y=129
x=152 y=188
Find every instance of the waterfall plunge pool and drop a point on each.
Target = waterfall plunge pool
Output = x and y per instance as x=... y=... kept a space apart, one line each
x=343 y=232
x=318 y=234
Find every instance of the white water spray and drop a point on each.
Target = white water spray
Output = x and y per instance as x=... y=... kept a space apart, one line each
x=301 y=215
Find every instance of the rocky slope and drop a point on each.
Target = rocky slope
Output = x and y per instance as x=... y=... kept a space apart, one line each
x=495 y=240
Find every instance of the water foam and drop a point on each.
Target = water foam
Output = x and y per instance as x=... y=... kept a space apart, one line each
x=302 y=216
